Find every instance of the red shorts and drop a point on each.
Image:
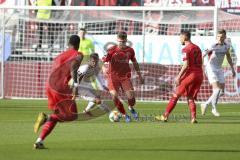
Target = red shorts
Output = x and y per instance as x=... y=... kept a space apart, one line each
x=61 y=104
x=116 y=84
x=190 y=85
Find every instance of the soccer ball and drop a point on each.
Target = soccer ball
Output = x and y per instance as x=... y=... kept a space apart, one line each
x=114 y=116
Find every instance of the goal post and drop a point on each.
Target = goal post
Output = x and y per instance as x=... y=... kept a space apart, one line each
x=153 y=32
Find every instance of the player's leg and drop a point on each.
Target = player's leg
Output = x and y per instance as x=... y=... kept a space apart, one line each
x=119 y=105
x=192 y=107
x=129 y=91
x=64 y=110
x=93 y=99
x=214 y=81
x=180 y=90
x=213 y=99
x=222 y=86
x=171 y=105
x=114 y=86
x=192 y=90
x=218 y=90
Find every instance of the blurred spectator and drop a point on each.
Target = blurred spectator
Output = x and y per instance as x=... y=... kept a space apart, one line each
x=106 y=2
x=167 y=3
x=203 y=2
x=43 y=16
x=86 y=45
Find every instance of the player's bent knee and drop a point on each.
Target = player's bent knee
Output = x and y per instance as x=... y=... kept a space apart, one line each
x=132 y=101
x=73 y=117
x=97 y=101
x=175 y=95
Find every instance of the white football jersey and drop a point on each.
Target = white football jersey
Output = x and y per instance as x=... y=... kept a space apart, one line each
x=218 y=52
x=86 y=71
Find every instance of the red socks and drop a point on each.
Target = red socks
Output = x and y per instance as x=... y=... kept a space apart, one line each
x=171 y=104
x=192 y=107
x=47 y=128
x=119 y=106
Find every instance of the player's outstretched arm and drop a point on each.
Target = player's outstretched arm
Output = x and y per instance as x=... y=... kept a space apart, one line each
x=229 y=59
x=137 y=69
x=74 y=68
x=206 y=52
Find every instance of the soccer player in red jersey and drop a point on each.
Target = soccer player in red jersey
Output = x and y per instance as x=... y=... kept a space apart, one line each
x=189 y=79
x=60 y=95
x=119 y=74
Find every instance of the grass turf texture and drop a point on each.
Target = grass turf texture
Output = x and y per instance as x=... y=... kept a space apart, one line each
x=99 y=139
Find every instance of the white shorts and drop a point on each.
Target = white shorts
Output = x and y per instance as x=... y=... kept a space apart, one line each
x=86 y=91
x=216 y=75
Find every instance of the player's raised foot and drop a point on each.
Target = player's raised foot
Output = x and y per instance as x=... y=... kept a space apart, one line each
x=39 y=145
x=193 y=121
x=134 y=113
x=203 y=108
x=127 y=118
x=161 y=118
x=215 y=113
x=41 y=119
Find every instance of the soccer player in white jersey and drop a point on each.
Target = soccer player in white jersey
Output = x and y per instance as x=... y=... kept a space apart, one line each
x=86 y=90
x=215 y=72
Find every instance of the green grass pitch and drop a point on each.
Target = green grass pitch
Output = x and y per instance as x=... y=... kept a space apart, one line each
x=213 y=138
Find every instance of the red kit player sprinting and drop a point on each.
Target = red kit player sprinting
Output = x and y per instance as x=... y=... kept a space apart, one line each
x=60 y=95
x=189 y=79
x=119 y=74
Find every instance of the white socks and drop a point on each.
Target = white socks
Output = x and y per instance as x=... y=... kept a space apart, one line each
x=213 y=99
x=89 y=106
x=215 y=96
x=39 y=140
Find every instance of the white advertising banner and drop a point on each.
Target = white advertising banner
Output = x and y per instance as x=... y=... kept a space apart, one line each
x=160 y=49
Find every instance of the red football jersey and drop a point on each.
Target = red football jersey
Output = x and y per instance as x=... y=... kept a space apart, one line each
x=193 y=54
x=61 y=71
x=119 y=61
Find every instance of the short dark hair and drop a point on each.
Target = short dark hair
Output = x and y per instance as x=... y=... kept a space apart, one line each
x=122 y=35
x=95 y=56
x=74 y=40
x=186 y=33
x=83 y=29
x=222 y=31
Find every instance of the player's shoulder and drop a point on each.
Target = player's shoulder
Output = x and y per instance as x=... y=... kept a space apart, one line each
x=214 y=45
x=83 y=69
x=227 y=45
x=72 y=52
x=112 y=48
x=196 y=46
x=130 y=48
x=88 y=40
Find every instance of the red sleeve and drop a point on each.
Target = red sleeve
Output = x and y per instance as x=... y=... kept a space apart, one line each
x=108 y=56
x=185 y=55
x=133 y=58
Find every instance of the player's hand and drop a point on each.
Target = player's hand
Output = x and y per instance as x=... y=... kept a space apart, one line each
x=105 y=88
x=233 y=73
x=74 y=92
x=177 y=81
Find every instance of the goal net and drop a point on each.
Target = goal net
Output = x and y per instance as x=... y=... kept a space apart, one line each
x=31 y=44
